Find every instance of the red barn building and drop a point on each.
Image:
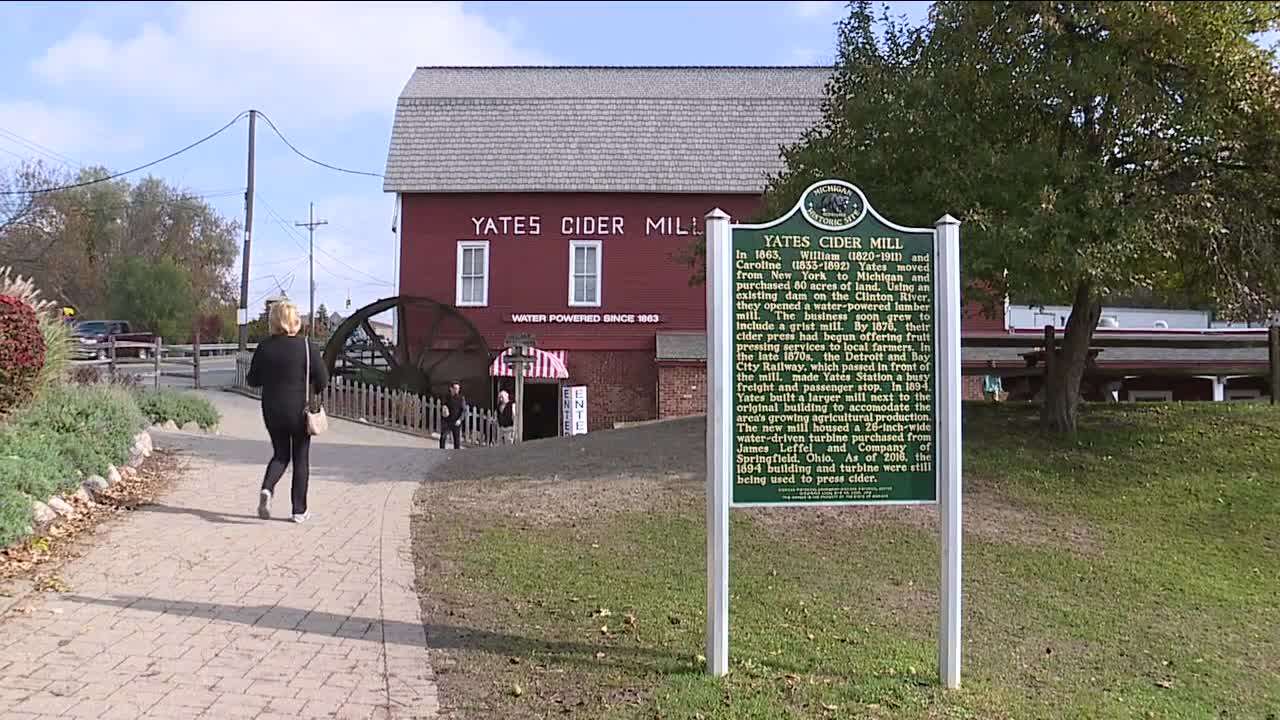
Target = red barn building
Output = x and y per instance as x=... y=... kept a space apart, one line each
x=561 y=202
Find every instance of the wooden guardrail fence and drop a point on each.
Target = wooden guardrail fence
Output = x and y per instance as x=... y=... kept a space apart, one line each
x=392 y=409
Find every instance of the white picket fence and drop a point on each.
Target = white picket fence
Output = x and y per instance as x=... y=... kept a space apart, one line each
x=391 y=409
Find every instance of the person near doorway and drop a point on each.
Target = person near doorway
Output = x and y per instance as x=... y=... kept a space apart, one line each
x=454 y=410
x=506 y=419
x=280 y=368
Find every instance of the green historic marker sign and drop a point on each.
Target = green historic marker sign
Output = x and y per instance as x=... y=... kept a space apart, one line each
x=833 y=356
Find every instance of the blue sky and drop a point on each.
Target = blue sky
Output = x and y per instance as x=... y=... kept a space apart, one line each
x=120 y=84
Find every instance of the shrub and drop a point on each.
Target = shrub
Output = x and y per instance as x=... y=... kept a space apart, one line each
x=69 y=432
x=164 y=405
x=15 y=515
x=53 y=330
x=92 y=427
x=57 y=350
x=93 y=375
x=85 y=375
x=25 y=290
x=33 y=463
x=21 y=353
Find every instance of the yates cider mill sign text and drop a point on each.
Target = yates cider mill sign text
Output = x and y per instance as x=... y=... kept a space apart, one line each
x=584 y=225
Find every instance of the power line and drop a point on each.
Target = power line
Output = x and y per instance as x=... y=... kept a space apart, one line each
x=76 y=206
x=201 y=141
x=39 y=149
x=308 y=158
x=278 y=261
x=298 y=240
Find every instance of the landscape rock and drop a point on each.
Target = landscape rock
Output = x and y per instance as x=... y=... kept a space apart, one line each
x=42 y=514
x=130 y=472
x=143 y=441
x=96 y=484
x=135 y=459
x=61 y=507
x=82 y=495
x=191 y=426
x=170 y=425
x=113 y=475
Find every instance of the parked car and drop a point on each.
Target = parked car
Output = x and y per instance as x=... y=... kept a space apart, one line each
x=93 y=339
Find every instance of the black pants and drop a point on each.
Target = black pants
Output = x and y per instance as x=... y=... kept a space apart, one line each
x=456 y=431
x=290 y=444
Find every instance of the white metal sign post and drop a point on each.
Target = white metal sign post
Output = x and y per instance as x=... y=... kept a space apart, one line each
x=719 y=426
x=859 y=318
x=947 y=301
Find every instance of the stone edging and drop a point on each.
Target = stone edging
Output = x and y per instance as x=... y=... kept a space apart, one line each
x=47 y=513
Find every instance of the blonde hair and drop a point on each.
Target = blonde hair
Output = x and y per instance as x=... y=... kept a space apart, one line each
x=284 y=318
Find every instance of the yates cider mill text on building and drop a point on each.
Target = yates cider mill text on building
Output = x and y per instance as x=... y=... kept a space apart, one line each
x=584 y=225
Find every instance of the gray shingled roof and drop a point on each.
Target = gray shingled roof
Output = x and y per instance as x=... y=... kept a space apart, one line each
x=599 y=129
x=681 y=346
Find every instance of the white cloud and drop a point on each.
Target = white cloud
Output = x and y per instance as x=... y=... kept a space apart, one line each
x=53 y=130
x=804 y=56
x=810 y=10
x=328 y=59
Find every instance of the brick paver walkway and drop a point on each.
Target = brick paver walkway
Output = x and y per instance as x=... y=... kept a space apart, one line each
x=194 y=607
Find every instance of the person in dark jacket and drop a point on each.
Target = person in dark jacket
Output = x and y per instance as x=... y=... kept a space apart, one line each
x=455 y=409
x=279 y=367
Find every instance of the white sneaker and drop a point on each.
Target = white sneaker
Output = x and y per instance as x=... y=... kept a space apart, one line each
x=264 y=500
x=302 y=518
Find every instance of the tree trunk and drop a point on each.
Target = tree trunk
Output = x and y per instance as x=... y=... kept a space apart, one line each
x=1067 y=365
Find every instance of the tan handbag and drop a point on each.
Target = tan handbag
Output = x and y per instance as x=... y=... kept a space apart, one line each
x=317 y=420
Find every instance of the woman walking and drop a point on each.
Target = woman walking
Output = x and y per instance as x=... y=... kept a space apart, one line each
x=282 y=366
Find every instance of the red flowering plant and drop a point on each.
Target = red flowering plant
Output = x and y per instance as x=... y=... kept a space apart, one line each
x=21 y=352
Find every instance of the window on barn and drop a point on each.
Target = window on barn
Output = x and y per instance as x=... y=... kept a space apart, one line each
x=584 y=273
x=472 y=286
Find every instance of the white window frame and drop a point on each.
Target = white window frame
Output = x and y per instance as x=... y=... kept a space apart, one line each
x=599 y=248
x=1243 y=395
x=463 y=246
x=1150 y=396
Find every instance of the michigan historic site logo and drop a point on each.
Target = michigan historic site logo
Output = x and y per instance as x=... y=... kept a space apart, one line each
x=833 y=205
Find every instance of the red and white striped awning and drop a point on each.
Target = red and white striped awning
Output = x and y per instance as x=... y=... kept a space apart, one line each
x=547 y=364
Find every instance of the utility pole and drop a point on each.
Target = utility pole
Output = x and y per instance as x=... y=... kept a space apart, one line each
x=311 y=226
x=248 y=235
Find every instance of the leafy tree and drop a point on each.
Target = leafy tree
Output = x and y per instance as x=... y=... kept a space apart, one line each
x=156 y=296
x=322 y=322
x=1092 y=150
x=69 y=239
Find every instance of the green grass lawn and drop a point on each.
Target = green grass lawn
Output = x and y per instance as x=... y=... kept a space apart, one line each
x=1131 y=572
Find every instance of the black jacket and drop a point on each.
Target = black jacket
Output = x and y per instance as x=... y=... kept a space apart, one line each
x=278 y=365
x=457 y=405
x=507 y=418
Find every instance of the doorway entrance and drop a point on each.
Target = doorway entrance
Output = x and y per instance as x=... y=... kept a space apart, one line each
x=541 y=406
x=541 y=410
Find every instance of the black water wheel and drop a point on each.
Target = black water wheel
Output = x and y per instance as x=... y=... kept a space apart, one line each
x=436 y=345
